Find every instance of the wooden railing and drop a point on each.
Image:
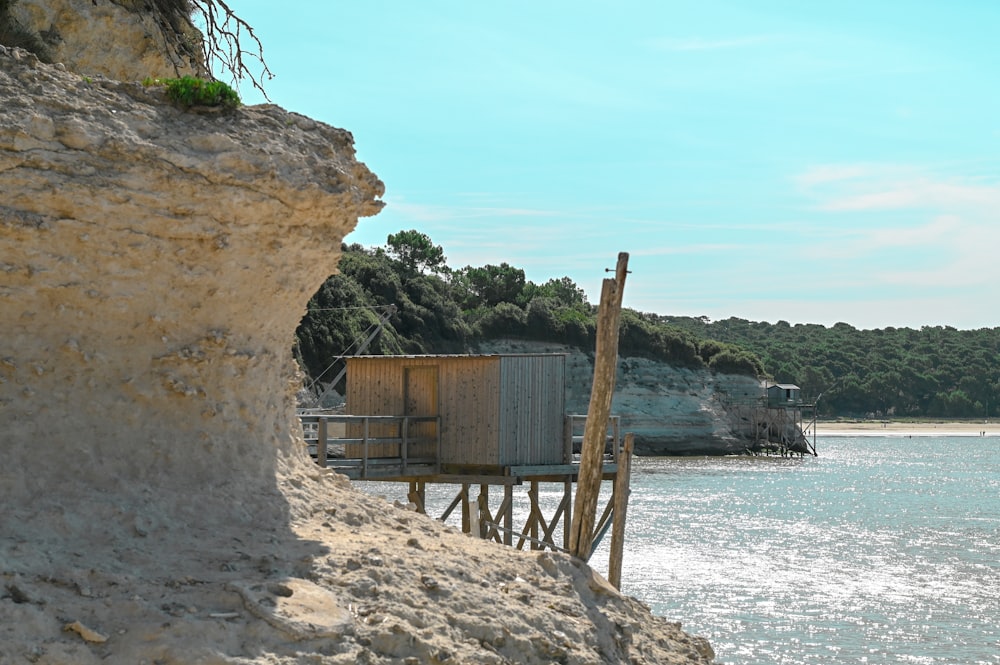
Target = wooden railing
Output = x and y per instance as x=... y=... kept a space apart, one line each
x=380 y=446
x=574 y=436
x=372 y=445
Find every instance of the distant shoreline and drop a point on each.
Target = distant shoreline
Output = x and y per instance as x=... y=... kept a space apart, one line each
x=907 y=428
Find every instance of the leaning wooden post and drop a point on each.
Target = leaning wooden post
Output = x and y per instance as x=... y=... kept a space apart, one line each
x=595 y=430
x=622 y=483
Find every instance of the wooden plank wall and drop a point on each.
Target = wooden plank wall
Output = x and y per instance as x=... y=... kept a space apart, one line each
x=470 y=401
x=468 y=395
x=374 y=389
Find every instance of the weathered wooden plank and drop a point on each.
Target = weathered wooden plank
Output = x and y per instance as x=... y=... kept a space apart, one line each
x=536 y=543
x=451 y=506
x=557 y=470
x=467 y=517
x=417 y=494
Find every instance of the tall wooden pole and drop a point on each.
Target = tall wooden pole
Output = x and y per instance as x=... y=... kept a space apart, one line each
x=596 y=428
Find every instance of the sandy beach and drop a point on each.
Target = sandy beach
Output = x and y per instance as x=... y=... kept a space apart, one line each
x=908 y=428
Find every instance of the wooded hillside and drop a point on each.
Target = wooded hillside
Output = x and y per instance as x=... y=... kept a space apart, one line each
x=443 y=310
x=895 y=372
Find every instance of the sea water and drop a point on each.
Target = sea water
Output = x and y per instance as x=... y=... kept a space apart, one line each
x=880 y=550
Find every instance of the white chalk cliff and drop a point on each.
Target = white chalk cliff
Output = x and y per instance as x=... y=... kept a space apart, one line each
x=158 y=504
x=670 y=410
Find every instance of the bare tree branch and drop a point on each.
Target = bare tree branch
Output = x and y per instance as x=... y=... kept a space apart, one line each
x=225 y=35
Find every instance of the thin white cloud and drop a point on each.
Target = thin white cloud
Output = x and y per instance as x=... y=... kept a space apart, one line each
x=919 y=193
x=948 y=225
x=681 y=44
x=420 y=212
x=966 y=251
x=936 y=233
x=860 y=187
x=823 y=174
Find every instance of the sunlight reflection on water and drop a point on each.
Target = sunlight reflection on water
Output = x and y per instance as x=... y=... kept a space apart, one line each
x=875 y=552
x=878 y=551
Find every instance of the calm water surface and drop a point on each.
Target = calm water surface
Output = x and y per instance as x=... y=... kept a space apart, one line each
x=881 y=550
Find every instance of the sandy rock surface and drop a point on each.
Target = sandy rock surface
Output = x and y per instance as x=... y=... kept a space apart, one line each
x=354 y=580
x=154 y=266
x=103 y=37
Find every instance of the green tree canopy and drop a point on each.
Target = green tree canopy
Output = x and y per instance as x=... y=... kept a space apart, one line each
x=415 y=252
x=438 y=310
x=936 y=371
x=489 y=285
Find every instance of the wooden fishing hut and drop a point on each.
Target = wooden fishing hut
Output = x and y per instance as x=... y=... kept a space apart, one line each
x=781 y=395
x=778 y=422
x=494 y=411
x=496 y=421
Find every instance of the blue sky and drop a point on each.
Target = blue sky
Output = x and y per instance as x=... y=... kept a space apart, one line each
x=811 y=162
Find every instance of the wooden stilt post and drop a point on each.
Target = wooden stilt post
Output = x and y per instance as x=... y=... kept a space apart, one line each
x=417 y=495
x=622 y=482
x=596 y=428
x=466 y=509
x=508 y=515
x=483 y=512
x=533 y=532
x=321 y=439
x=568 y=517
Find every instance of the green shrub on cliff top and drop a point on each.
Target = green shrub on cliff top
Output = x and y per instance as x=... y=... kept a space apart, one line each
x=190 y=91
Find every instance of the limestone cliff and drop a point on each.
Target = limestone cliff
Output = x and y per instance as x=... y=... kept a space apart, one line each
x=119 y=39
x=154 y=265
x=671 y=410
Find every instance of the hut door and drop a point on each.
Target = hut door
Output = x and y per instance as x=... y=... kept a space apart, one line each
x=420 y=398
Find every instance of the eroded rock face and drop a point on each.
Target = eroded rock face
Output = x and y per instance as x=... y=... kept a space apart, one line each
x=153 y=266
x=122 y=40
x=670 y=410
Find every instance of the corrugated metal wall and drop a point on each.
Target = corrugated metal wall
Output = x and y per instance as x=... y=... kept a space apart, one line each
x=532 y=407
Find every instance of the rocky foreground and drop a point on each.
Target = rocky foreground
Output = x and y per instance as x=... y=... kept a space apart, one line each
x=352 y=579
x=158 y=505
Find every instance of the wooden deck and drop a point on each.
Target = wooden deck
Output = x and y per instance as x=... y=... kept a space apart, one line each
x=381 y=448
